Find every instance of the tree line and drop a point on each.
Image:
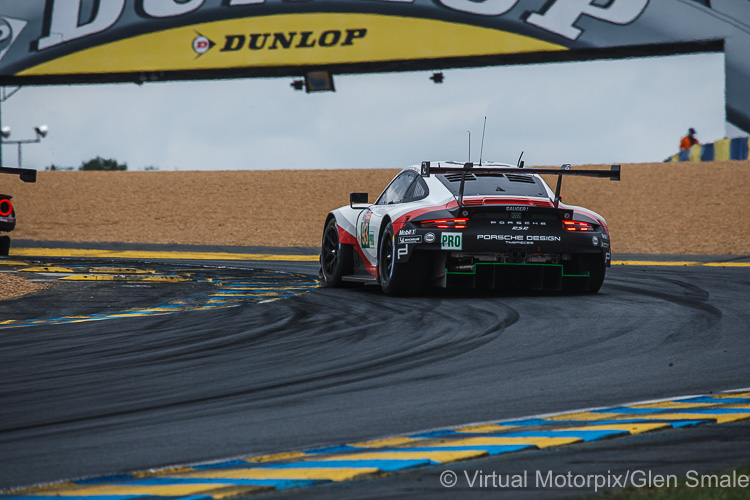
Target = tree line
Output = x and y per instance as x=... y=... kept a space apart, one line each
x=100 y=163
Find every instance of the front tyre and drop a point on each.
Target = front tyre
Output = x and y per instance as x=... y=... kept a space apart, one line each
x=335 y=257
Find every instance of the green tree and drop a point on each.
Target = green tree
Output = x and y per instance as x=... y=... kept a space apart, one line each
x=100 y=163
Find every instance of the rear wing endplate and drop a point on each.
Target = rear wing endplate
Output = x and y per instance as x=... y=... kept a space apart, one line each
x=26 y=174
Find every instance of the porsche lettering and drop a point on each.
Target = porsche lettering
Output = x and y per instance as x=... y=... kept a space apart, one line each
x=500 y=237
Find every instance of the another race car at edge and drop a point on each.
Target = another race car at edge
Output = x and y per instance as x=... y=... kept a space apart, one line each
x=454 y=224
x=7 y=212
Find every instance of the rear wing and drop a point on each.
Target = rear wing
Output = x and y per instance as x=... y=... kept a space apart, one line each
x=26 y=174
x=427 y=169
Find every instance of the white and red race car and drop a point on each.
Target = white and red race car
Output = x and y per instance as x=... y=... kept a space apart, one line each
x=446 y=224
x=7 y=212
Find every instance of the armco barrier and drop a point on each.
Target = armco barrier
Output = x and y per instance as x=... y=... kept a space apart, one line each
x=721 y=150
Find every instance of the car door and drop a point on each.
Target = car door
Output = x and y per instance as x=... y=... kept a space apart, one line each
x=370 y=220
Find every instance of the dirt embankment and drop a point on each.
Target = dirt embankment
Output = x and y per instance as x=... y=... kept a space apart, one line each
x=681 y=208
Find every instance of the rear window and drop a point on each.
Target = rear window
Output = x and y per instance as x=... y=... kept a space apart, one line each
x=495 y=184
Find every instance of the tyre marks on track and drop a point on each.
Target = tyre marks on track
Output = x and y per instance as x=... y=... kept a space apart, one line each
x=246 y=476
x=225 y=286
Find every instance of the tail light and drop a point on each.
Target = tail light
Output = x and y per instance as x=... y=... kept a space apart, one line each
x=445 y=223
x=6 y=208
x=577 y=226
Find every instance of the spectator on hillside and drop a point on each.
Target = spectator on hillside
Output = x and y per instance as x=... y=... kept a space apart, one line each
x=689 y=140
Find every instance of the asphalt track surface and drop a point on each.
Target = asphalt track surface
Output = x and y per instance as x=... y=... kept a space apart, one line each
x=342 y=365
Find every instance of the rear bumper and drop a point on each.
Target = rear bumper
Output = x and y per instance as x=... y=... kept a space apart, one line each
x=526 y=246
x=531 y=258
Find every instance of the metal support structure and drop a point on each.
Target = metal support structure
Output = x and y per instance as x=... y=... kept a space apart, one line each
x=26 y=141
x=4 y=96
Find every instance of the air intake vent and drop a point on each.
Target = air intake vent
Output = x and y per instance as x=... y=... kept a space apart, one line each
x=525 y=178
x=457 y=177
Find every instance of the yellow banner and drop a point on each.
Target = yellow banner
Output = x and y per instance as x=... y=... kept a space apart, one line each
x=292 y=40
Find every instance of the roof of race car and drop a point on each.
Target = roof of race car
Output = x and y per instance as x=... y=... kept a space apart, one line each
x=459 y=166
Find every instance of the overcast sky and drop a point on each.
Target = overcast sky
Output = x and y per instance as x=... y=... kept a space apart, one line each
x=592 y=112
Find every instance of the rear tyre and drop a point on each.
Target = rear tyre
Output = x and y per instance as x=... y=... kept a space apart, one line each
x=4 y=246
x=405 y=278
x=335 y=257
x=594 y=264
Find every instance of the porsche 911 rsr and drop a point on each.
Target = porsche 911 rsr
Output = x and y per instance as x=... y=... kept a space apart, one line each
x=452 y=224
x=7 y=212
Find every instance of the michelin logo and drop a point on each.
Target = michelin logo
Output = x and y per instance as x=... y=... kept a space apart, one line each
x=403 y=240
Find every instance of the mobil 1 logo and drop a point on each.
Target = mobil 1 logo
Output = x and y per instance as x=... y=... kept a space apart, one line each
x=451 y=241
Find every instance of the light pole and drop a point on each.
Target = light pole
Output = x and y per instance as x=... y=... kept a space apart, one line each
x=4 y=96
x=41 y=132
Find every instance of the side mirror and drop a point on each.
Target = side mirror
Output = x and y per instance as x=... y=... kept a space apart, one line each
x=359 y=199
